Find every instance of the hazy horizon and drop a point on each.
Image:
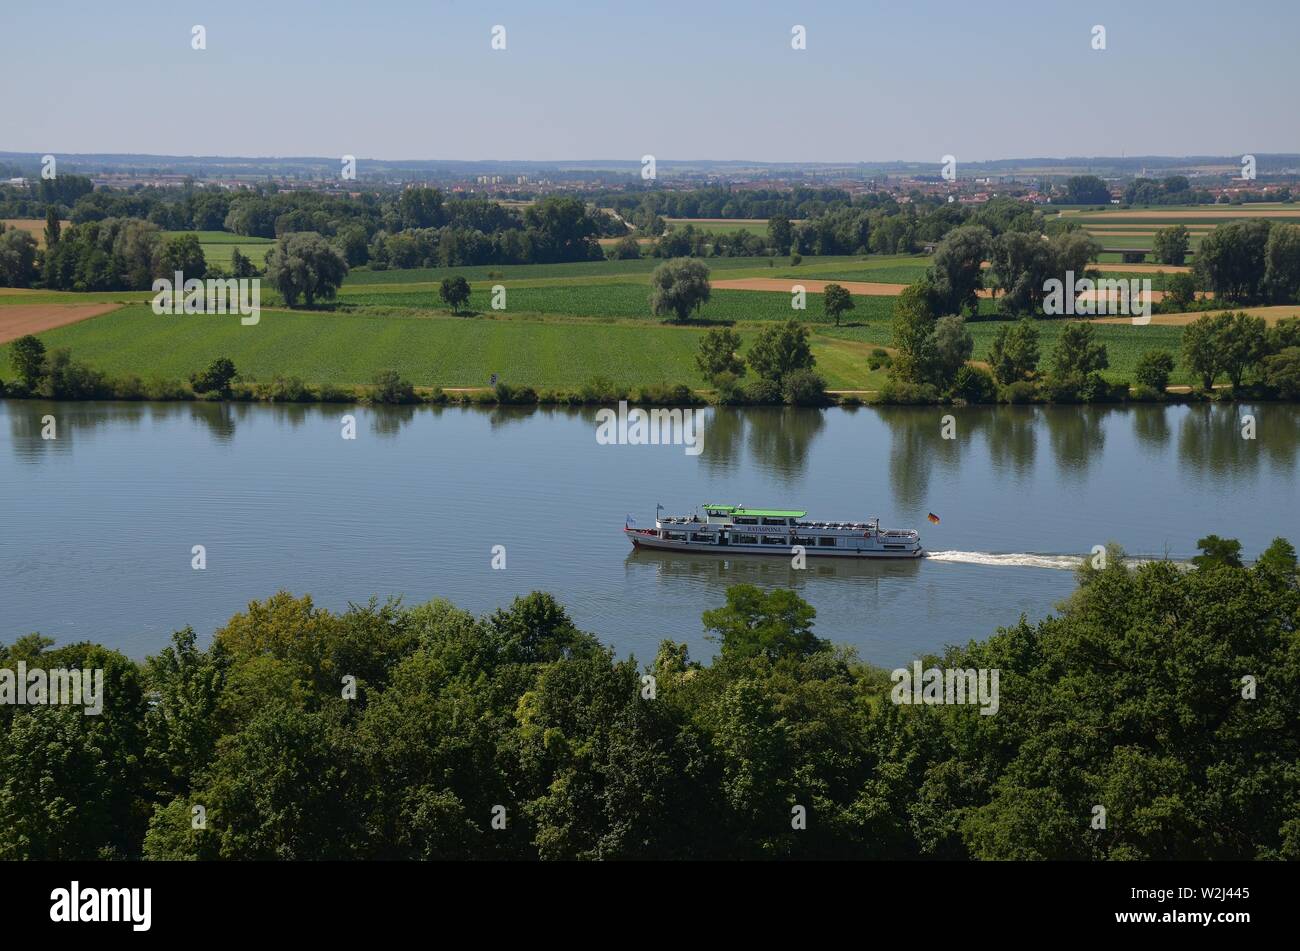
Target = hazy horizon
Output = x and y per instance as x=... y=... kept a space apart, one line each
x=876 y=81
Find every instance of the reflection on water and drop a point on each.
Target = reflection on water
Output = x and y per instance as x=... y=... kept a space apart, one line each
x=781 y=439
x=98 y=524
x=777 y=570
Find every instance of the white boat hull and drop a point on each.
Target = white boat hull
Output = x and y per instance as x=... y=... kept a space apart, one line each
x=864 y=547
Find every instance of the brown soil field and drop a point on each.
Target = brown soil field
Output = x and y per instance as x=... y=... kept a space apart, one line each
x=22 y=319
x=1133 y=268
x=863 y=288
x=1237 y=211
x=33 y=226
x=1271 y=315
x=1141 y=233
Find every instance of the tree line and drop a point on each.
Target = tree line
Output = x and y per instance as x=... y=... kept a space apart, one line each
x=1162 y=694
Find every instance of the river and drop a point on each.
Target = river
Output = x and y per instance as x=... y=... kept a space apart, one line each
x=98 y=525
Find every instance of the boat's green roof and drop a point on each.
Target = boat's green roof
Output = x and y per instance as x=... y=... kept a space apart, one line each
x=761 y=513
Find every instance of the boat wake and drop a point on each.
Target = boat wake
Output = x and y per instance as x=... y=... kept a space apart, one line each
x=1013 y=560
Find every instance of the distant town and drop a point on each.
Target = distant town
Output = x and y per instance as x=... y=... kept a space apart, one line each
x=1211 y=179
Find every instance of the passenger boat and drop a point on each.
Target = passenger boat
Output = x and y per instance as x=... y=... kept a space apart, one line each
x=735 y=529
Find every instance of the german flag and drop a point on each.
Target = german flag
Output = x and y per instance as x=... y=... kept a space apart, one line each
x=934 y=519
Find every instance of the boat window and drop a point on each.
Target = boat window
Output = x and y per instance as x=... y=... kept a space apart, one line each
x=737 y=539
x=773 y=540
x=745 y=520
x=826 y=541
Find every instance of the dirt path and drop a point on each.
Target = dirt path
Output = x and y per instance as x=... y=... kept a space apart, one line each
x=1271 y=315
x=22 y=319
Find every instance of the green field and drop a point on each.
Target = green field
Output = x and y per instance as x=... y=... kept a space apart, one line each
x=218 y=246
x=729 y=226
x=564 y=324
x=435 y=350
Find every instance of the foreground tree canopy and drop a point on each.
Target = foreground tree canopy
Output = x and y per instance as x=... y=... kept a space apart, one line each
x=1162 y=694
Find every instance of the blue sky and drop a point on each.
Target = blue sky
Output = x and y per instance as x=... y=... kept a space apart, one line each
x=906 y=79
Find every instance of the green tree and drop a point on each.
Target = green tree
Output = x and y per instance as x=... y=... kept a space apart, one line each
x=914 y=321
x=27 y=357
x=1013 y=355
x=952 y=347
x=17 y=259
x=183 y=253
x=1202 y=347
x=1170 y=245
x=1282 y=372
x=719 y=353
x=678 y=287
x=241 y=265
x=956 y=274
x=1231 y=259
x=627 y=248
x=779 y=350
x=52 y=226
x=1086 y=190
x=775 y=624
x=305 y=265
x=836 y=301
x=1078 y=353
x=217 y=378
x=780 y=233
x=1154 y=368
x=1282 y=263
x=1217 y=552
x=1180 y=292
x=454 y=292
x=1242 y=341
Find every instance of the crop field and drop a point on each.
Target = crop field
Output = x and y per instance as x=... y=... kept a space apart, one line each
x=33 y=226
x=507 y=273
x=615 y=302
x=444 y=351
x=564 y=324
x=722 y=225
x=1125 y=343
x=219 y=246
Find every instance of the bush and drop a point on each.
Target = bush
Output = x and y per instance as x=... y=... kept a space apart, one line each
x=1282 y=372
x=1096 y=389
x=329 y=393
x=1154 y=368
x=1146 y=394
x=600 y=389
x=390 y=388
x=729 y=392
x=762 y=392
x=436 y=396
x=850 y=399
x=1019 y=392
x=163 y=390
x=1062 y=389
x=508 y=395
x=284 y=390
x=216 y=378
x=129 y=387
x=974 y=385
x=664 y=394
x=804 y=388
x=900 y=392
x=66 y=379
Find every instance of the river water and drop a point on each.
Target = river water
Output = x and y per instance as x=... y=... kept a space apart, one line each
x=98 y=525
